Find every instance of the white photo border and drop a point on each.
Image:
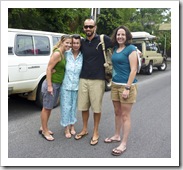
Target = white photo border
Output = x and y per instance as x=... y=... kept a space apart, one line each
x=173 y=161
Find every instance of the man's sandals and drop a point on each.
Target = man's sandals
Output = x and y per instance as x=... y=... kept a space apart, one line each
x=80 y=135
x=41 y=131
x=94 y=141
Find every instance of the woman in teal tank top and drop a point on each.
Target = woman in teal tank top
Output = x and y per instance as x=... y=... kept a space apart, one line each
x=124 y=86
x=51 y=86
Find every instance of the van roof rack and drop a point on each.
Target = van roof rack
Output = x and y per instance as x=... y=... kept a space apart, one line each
x=142 y=35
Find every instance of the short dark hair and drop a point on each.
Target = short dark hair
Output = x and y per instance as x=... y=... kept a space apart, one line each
x=90 y=20
x=128 y=36
x=76 y=36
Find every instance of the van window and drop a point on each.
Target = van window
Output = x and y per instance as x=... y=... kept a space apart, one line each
x=32 y=45
x=151 y=47
x=139 y=46
x=24 y=45
x=42 y=45
x=55 y=40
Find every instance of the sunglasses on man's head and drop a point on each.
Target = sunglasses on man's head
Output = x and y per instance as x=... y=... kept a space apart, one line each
x=89 y=26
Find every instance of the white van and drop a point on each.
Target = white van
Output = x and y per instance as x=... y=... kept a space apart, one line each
x=28 y=54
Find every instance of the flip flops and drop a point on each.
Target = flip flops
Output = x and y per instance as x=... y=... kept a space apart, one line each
x=68 y=135
x=72 y=130
x=110 y=140
x=94 y=142
x=41 y=131
x=79 y=136
x=118 y=152
x=67 y=132
x=48 y=137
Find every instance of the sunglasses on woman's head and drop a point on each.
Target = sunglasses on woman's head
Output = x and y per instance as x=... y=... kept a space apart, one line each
x=66 y=36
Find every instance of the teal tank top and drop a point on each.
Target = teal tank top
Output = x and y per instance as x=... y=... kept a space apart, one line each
x=58 y=76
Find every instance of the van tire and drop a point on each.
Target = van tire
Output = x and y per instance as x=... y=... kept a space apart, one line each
x=163 y=66
x=39 y=98
x=149 y=69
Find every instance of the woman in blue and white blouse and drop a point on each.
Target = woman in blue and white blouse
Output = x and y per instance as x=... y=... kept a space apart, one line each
x=69 y=88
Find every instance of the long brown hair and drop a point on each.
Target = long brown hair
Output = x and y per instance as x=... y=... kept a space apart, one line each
x=128 y=36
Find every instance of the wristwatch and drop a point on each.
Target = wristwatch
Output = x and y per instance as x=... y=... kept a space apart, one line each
x=127 y=87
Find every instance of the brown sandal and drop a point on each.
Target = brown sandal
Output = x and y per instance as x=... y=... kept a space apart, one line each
x=67 y=133
x=110 y=140
x=117 y=152
x=48 y=137
x=41 y=131
x=79 y=136
x=94 y=142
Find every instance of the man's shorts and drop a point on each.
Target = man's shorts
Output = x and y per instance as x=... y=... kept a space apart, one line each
x=49 y=101
x=117 y=90
x=90 y=93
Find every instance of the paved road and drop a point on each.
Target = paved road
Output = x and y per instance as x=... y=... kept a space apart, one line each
x=150 y=135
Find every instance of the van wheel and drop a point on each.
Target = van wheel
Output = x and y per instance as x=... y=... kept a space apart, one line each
x=149 y=69
x=39 y=98
x=163 y=66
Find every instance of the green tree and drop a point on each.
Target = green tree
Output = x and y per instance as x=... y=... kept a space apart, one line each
x=66 y=20
x=150 y=18
x=70 y=20
x=111 y=18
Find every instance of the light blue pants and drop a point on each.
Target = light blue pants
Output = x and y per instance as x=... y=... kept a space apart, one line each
x=68 y=106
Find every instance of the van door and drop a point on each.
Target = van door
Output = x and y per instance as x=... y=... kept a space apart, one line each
x=28 y=63
x=152 y=52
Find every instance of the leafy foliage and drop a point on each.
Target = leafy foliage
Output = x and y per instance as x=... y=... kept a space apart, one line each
x=70 y=20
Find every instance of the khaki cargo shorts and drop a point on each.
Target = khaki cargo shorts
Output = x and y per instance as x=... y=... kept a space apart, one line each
x=117 y=90
x=90 y=93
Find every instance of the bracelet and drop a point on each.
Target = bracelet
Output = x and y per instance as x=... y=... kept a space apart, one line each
x=127 y=87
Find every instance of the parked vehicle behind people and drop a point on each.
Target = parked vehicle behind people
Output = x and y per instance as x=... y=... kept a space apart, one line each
x=28 y=54
x=151 y=55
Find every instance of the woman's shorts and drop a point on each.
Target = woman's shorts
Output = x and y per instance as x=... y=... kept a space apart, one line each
x=49 y=100
x=90 y=93
x=117 y=90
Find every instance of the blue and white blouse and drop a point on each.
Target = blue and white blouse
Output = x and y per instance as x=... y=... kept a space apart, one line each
x=72 y=71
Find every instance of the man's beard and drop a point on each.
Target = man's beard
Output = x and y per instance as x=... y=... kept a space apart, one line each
x=89 y=34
